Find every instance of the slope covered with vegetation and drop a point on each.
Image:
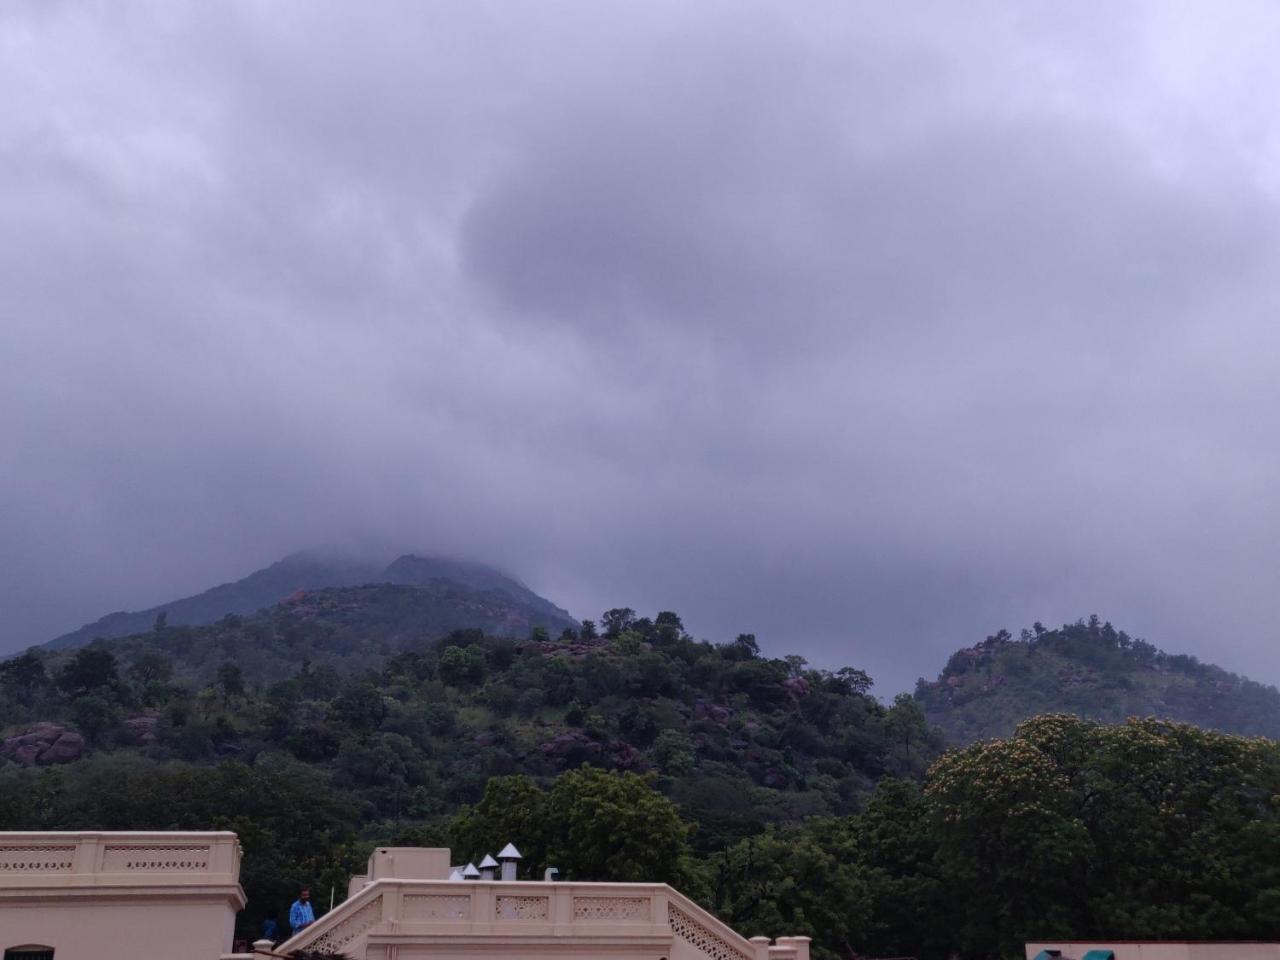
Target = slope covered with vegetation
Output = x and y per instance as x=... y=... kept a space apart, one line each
x=343 y=628
x=313 y=571
x=787 y=799
x=1147 y=830
x=1088 y=669
x=393 y=718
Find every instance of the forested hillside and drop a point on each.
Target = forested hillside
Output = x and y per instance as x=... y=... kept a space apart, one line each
x=787 y=798
x=392 y=718
x=313 y=571
x=345 y=628
x=1146 y=830
x=1092 y=670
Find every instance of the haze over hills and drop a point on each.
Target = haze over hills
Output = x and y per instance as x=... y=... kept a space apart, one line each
x=350 y=629
x=387 y=708
x=1092 y=670
x=357 y=609
x=310 y=571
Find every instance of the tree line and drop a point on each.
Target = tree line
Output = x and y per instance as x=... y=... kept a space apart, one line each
x=785 y=798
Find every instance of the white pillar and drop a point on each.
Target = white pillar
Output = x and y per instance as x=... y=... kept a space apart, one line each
x=801 y=945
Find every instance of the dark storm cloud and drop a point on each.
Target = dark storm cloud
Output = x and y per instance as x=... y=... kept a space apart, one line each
x=870 y=330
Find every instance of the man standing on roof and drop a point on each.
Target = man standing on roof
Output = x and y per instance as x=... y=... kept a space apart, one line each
x=301 y=915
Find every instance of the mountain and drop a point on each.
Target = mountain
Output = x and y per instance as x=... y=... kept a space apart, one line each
x=349 y=717
x=1090 y=669
x=414 y=571
x=408 y=698
x=348 y=629
x=310 y=571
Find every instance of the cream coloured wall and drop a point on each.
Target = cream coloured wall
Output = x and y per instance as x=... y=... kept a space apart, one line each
x=409 y=863
x=92 y=929
x=173 y=896
x=120 y=896
x=410 y=919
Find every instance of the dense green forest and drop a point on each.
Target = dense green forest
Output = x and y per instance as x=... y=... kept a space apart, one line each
x=786 y=798
x=1068 y=829
x=350 y=697
x=1089 y=669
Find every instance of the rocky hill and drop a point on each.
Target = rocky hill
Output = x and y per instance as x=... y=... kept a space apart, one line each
x=345 y=717
x=1090 y=669
x=412 y=696
x=314 y=571
x=349 y=629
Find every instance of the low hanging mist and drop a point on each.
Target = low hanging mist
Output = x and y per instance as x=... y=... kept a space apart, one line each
x=866 y=331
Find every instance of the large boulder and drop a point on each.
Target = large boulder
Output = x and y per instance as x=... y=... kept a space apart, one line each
x=138 y=731
x=796 y=686
x=42 y=744
x=574 y=748
x=703 y=709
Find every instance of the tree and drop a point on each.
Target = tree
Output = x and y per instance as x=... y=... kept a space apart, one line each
x=1140 y=830
x=95 y=715
x=462 y=666
x=616 y=620
x=803 y=880
x=231 y=680
x=152 y=668
x=667 y=618
x=615 y=826
x=853 y=680
x=1009 y=834
x=92 y=668
x=383 y=768
x=592 y=825
x=22 y=676
x=673 y=753
x=360 y=707
x=745 y=647
x=895 y=855
x=668 y=627
x=513 y=810
x=911 y=743
x=629 y=643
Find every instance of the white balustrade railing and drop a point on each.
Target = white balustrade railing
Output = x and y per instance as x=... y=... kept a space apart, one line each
x=496 y=911
x=57 y=858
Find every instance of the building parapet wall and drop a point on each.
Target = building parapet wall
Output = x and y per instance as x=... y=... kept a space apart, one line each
x=528 y=915
x=30 y=862
x=93 y=895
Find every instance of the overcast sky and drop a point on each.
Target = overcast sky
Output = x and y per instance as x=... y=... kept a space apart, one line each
x=870 y=328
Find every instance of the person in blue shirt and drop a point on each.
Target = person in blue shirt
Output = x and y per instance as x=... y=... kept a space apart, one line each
x=301 y=915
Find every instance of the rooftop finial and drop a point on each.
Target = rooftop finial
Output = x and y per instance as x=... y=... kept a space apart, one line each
x=510 y=858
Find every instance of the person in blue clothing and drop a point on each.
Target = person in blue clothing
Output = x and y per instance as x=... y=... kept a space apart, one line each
x=301 y=915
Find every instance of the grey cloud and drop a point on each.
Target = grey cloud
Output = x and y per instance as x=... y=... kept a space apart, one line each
x=870 y=330
x=985 y=226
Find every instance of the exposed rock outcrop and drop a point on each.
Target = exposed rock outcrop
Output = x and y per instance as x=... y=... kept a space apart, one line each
x=138 y=731
x=42 y=744
x=574 y=747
